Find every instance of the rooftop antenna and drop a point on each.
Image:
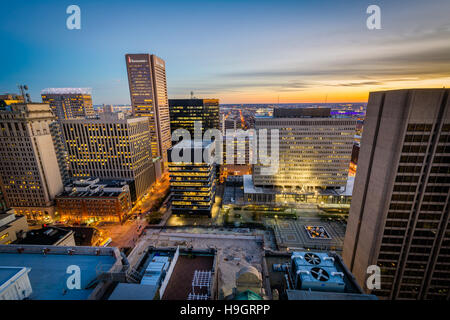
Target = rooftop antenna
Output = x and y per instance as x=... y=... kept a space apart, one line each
x=25 y=95
x=326 y=98
x=192 y=94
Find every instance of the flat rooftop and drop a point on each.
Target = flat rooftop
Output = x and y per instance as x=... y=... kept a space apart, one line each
x=192 y=144
x=180 y=283
x=250 y=188
x=89 y=194
x=133 y=291
x=301 y=112
x=7 y=273
x=316 y=295
x=44 y=236
x=48 y=275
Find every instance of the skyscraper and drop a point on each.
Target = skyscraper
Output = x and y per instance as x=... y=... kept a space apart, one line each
x=69 y=103
x=399 y=216
x=184 y=112
x=111 y=147
x=148 y=93
x=66 y=103
x=29 y=181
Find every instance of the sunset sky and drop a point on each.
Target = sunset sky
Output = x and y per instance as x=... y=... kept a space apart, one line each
x=237 y=51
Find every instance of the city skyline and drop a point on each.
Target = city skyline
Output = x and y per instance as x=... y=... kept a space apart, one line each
x=225 y=150
x=249 y=52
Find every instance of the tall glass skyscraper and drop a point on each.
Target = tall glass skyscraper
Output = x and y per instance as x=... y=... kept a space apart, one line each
x=148 y=93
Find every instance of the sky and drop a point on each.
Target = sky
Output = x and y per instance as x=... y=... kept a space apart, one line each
x=237 y=51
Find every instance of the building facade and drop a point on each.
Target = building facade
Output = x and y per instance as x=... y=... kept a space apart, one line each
x=112 y=147
x=69 y=103
x=399 y=216
x=92 y=200
x=29 y=181
x=314 y=149
x=148 y=93
x=184 y=112
x=12 y=227
x=192 y=182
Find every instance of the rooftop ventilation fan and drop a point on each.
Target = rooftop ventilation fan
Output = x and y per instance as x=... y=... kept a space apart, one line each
x=320 y=274
x=312 y=258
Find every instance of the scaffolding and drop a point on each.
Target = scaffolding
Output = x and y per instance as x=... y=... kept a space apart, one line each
x=193 y=296
x=201 y=283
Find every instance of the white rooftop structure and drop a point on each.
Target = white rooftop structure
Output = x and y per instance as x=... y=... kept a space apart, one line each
x=14 y=283
x=67 y=91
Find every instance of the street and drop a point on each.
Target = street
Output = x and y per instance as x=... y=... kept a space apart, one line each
x=126 y=234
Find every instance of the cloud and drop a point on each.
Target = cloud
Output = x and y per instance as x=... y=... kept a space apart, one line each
x=423 y=55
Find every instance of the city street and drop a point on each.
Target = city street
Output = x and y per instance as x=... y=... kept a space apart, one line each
x=126 y=234
x=156 y=192
x=123 y=235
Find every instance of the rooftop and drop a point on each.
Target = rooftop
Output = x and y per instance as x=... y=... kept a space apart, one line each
x=48 y=275
x=85 y=194
x=7 y=273
x=316 y=295
x=250 y=188
x=133 y=291
x=180 y=283
x=193 y=144
x=44 y=236
x=67 y=91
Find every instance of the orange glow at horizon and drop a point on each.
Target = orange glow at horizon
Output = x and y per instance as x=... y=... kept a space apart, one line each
x=323 y=94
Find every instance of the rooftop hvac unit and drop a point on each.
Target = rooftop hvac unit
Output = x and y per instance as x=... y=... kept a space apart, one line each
x=319 y=279
x=319 y=259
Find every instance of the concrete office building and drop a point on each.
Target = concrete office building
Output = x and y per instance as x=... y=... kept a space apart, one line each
x=192 y=182
x=184 y=112
x=399 y=216
x=69 y=103
x=29 y=181
x=148 y=93
x=314 y=149
x=111 y=147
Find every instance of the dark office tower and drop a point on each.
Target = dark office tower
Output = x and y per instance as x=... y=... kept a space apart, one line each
x=183 y=113
x=399 y=217
x=69 y=103
x=148 y=92
x=192 y=182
